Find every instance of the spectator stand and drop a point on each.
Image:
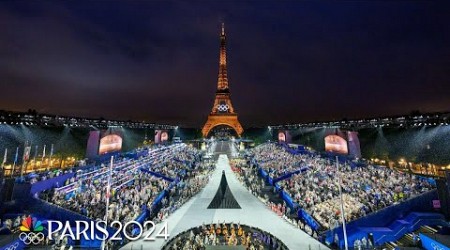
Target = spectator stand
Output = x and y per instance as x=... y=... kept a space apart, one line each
x=377 y=221
x=287 y=198
x=46 y=210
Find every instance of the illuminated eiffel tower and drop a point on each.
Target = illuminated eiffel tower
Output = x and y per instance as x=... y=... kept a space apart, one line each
x=222 y=112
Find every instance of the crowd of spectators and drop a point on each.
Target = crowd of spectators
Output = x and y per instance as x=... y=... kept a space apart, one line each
x=177 y=162
x=11 y=225
x=276 y=161
x=365 y=189
x=248 y=175
x=189 y=185
x=125 y=202
x=133 y=186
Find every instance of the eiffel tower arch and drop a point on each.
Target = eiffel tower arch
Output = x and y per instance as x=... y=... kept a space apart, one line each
x=222 y=112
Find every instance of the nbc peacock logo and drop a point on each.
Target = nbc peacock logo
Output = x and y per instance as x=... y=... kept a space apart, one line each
x=31 y=231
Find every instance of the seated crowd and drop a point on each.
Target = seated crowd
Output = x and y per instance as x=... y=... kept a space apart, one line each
x=125 y=202
x=11 y=225
x=133 y=186
x=365 y=189
x=177 y=162
x=249 y=176
x=276 y=161
x=188 y=186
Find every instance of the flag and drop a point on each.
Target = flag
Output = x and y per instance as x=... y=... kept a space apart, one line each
x=35 y=151
x=43 y=152
x=26 y=153
x=17 y=155
x=5 y=156
x=108 y=187
x=50 y=158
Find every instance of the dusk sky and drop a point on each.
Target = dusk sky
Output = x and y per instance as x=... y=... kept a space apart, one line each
x=287 y=61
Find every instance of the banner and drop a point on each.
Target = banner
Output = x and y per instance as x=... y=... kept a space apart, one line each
x=35 y=152
x=16 y=156
x=5 y=156
x=50 y=158
x=26 y=153
x=43 y=155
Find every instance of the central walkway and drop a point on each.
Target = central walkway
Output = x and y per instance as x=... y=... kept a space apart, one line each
x=252 y=213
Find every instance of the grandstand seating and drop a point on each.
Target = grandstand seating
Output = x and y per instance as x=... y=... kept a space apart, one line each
x=382 y=231
x=179 y=159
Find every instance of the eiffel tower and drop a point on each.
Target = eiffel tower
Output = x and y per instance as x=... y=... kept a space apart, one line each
x=222 y=112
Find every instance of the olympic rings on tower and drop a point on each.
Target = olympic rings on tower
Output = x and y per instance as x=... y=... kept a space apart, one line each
x=222 y=107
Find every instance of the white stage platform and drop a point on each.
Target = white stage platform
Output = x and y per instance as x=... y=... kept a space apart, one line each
x=252 y=213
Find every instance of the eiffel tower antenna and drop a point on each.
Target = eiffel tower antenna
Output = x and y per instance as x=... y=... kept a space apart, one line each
x=222 y=82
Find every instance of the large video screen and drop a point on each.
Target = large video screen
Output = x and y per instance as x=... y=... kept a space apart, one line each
x=336 y=144
x=281 y=136
x=284 y=136
x=161 y=136
x=110 y=143
x=164 y=136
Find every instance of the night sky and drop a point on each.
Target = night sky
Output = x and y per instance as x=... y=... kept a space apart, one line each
x=287 y=62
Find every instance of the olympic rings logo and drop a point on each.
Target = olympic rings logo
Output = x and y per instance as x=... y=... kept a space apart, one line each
x=31 y=238
x=222 y=107
x=13 y=246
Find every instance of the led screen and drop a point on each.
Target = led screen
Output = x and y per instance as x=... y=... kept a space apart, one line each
x=336 y=144
x=164 y=136
x=281 y=137
x=110 y=143
x=161 y=136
